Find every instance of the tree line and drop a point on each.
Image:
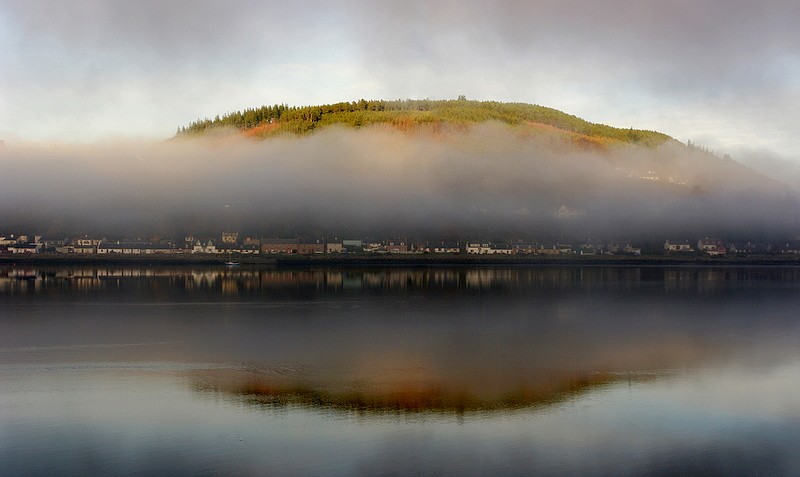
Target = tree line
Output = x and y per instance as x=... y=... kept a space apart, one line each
x=408 y=113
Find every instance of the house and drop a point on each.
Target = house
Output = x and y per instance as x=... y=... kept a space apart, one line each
x=524 y=248
x=548 y=249
x=188 y=242
x=13 y=238
x=373 y=247
x=250 y=249
x=159 y=248
x=440 y=247
x=134 y=248
x=565 y=248
x=87 y=241
x=618 y=248
x=84 y=249
x=353 y=245
x=500 y=249
x=678 y=246
x=110 y=247
x=230 y=249
x=478 y=248
x=51 y=243
x=395 y=246
x=310 y=247
x=25 y=248
x=279 y=245
x=712 y=246
x=230 y=237
x=791 y=247
x=85 y=244
x=209 y=247
x=749 y=248
x=334 y=247
x=631 y=250
x=446 y=247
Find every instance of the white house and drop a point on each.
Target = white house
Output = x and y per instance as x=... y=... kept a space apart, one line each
x=712 y=246
x=500 y=249
x=25 y=248
x=209 y=247
x=678 y=246
x=478 y=248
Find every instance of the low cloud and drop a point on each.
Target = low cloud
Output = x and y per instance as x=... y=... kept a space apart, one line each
x=488 y=181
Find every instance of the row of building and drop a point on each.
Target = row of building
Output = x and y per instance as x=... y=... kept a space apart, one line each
x=229 y=244
x=718 y=247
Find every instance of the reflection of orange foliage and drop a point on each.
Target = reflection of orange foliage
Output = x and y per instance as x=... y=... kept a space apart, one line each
x=556 y=388
x=405 y=397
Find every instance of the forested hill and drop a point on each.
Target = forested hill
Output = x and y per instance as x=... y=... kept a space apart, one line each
x=407 y=114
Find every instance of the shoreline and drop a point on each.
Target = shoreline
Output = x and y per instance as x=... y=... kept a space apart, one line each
x=405 y=260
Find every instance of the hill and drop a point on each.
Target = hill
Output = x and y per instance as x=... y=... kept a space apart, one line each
x=267 y=121
x=449 y=169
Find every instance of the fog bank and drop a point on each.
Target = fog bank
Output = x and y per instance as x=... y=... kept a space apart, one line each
x=488 y=181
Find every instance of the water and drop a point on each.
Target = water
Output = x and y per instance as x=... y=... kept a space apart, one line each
x=431 y=371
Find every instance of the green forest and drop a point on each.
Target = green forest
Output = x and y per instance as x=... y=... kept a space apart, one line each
x=278 y=119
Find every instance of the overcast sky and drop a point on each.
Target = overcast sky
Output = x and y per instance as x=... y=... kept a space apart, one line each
x=725 y=73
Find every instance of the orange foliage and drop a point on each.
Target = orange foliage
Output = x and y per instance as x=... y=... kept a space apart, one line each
x=261 y=130
x=581 y=141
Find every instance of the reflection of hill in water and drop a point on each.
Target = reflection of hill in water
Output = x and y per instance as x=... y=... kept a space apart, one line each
x=406 y=339
x=402 y=394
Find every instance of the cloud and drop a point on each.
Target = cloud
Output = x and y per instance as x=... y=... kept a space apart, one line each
x=382 y=181
x=645 y=64
x=83 y=70
x=86 y=70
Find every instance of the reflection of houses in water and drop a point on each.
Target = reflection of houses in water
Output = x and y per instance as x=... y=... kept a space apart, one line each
x=679 y=280
x=444 y=279
x=208 y=282
x=481 y=278
x=351 y=281
x=701 y=280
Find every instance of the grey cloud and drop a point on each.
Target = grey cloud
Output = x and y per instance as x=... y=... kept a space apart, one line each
x=730 y=62
x=672 y=46
x=91 y=64
x=179 y=31
x=76 y=68
x=488 y=181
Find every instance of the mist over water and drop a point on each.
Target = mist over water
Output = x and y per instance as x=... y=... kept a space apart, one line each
x=487 y=180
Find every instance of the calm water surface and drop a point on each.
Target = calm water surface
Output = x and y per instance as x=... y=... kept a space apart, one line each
x=446 y=371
